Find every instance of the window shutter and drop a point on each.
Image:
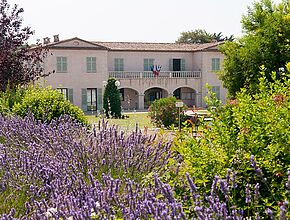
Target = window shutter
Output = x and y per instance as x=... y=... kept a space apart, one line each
x=58 y=64
x=182 y=64
x=99 y=99
x=170 y=64
x=88 y=65
x=84 y=100
x=121 y=64
x=218 y=64
x=151 y=63
x=70 y=95
x=146 y=64
x=116 y=64
x=218 y=92
x=94 y=64
x=64 y=64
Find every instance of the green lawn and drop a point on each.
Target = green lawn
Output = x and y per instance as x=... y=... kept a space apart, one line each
x=128 y=123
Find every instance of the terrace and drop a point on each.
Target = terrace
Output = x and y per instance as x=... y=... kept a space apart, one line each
x=149 y=74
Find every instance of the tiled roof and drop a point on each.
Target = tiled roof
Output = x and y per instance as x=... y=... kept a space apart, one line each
x=140 y=46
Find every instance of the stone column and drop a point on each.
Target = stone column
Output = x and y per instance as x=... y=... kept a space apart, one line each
x=141 y=102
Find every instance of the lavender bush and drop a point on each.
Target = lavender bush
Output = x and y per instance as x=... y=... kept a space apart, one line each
x=38 y=160
x=63 y=171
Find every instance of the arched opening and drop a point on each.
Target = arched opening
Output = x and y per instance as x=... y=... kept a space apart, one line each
x=150 y=95
x=186 y=95
x=129 y=98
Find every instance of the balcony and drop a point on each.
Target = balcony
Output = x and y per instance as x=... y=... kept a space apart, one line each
x=149 y=74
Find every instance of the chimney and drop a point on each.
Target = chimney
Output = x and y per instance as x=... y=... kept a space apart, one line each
x=56 y=38
x=46 y=40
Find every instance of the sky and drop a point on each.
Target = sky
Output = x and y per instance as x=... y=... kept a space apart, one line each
x=131 y=20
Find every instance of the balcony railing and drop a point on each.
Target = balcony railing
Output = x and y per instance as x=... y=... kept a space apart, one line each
x=149 y=74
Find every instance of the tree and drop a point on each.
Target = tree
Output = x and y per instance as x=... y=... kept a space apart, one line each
x=112 y=101
x=19 y=64
x=266 y=44
x=200 y=36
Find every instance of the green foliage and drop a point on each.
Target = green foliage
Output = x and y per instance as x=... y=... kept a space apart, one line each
x=163 y=112
x=112 y=101
x=248 y=125
x=8 y=98
x=200 y=36
x=266 y=43
x=46 y=104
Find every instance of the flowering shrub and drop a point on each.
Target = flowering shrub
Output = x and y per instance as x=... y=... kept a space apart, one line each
x=52 y=161
x=164 y=113
x=9 y=98
x=46 y=104
x=63 y=171
x=249 y=125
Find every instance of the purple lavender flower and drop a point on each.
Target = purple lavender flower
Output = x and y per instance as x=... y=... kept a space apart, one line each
x=258 y=171
x=283 y=211
x=248 y=193
x=256 y=193
x=269 y=212
x=288 y=182
x=234 y=180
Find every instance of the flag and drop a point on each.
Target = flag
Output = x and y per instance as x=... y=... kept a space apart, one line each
x=156 y=69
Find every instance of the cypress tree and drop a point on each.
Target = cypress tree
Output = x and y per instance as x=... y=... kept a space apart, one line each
x=112 y=101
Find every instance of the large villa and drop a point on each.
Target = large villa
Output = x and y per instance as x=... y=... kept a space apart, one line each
x=81 y=68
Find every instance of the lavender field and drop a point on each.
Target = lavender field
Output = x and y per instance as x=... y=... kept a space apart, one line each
x=62 y=170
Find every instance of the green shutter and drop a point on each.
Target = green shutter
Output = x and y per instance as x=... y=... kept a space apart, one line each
x=88 y=65
x=151 y=63
x=84 y=100
x=64 y=64
x=170 y=64
x=99 y=99
x=58 y=64
x=218 y=64
x=94 y=65
x=145 y=64
x=213 y=64
x=218 y=92
x=116 y=64
x=121 y=64
x=70 y=95
x=182 y=64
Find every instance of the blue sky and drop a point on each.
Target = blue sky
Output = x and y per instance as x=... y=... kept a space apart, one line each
x=132 y=20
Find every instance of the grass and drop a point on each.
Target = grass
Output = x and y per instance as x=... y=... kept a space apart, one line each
x=128 y=123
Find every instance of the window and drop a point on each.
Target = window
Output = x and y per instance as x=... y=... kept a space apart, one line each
x=61 y=65
x=92 y=99
x=177 y=93
x=216 y=90
x=187 y=95
x=148 y=63
x=215 y=64
x=91 y=65
x=177 y=64
x=122 y=97
x=64 y=92
x=119 y=64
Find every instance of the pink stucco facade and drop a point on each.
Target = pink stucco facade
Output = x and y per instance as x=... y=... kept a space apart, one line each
x=184 y=72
